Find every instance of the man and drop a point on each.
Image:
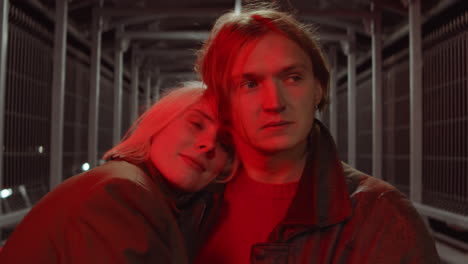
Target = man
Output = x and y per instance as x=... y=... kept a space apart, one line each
x=293 y=201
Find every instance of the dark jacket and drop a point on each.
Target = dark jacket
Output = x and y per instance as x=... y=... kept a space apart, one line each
x=340 y=215
x=115 y=213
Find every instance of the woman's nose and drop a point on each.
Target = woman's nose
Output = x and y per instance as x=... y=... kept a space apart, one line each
x=207 y=145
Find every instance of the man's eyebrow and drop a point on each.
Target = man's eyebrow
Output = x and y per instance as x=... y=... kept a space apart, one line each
x=245 y=76
x=298 y=66
x=252 y=75
x=204 y=115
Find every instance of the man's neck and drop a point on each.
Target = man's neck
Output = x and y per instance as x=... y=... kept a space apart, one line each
x=276 y=168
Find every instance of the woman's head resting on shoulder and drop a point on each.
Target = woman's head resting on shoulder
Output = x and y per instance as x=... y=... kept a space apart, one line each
x=181 y=136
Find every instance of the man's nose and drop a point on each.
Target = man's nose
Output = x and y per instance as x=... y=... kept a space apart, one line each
x=273 y=100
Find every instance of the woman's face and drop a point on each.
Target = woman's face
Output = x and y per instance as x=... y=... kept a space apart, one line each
x=187 y=152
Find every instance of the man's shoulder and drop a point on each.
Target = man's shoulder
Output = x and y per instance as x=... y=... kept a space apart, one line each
x=384 y=214
x=374 y=196
x=360 y=183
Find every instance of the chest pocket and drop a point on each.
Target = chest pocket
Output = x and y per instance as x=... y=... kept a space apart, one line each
x=272 y=254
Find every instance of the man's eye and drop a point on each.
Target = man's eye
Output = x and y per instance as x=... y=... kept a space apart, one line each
x=248 y=84
x=294 y=78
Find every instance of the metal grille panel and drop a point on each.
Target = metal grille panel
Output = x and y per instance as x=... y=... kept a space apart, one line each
x=396 y=125
x=364 y=124
x=75 y=133
x=125 y=108
x=27 y=110
x=106 y=100
x=342 y=120
x=445 y=121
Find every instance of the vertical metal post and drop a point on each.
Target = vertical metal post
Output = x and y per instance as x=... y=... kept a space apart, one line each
x=4 y=8
x=238 y=6
x=134 y=85
x=415 y=101
x=118 y=79
x=147 y=91
x=94 y=88
x=376 y=92
x=351 y=99
x=58 y=92
x=79 y=109
x=157 y=89
x=333 y=93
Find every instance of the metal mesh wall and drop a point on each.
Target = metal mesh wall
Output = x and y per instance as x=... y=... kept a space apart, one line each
x=342 y=120
x=106 y=111
x=27 y=111
x=141 y=98
x=445 y=119
x=126 y=96
x=75 y=131
x=395 y=130
x=105 y=115
x=364 y=123
x=28 y=106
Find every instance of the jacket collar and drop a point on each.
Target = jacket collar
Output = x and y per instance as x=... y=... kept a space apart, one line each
x=178 y=199
x=322 y=198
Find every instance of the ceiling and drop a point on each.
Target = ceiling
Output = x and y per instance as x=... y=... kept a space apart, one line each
x=164 y=34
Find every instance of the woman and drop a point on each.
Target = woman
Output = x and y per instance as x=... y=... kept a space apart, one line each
x=139 y=207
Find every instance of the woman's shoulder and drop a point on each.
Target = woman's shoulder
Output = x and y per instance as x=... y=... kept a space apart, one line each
x=112 y=178
x=102 y=203
x=111 y=173
x=120 y=177
x=115 y=185
x=116 y=169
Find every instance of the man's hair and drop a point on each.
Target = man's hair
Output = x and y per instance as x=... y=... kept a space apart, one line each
x=136 y=144
x=232 y=31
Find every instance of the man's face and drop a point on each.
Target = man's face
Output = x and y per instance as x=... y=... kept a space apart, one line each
x=275 y=95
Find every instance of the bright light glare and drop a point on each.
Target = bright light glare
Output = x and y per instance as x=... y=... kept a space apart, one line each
x=85 y=166
x=5 y=193
x=40 y=149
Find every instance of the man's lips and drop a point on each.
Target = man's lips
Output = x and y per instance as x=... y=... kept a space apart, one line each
x=276 y=124
x=193 y=163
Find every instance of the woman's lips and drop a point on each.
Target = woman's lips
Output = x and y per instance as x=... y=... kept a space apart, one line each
x=193 y=163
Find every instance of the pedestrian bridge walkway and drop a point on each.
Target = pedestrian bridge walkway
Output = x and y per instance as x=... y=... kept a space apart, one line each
x=75 y=74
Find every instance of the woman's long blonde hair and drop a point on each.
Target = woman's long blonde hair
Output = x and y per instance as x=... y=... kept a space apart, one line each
x=136 y=144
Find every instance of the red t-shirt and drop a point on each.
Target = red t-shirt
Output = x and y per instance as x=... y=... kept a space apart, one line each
x=251 y=210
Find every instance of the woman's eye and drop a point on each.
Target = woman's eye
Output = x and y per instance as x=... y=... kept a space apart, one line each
x=196 y=125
